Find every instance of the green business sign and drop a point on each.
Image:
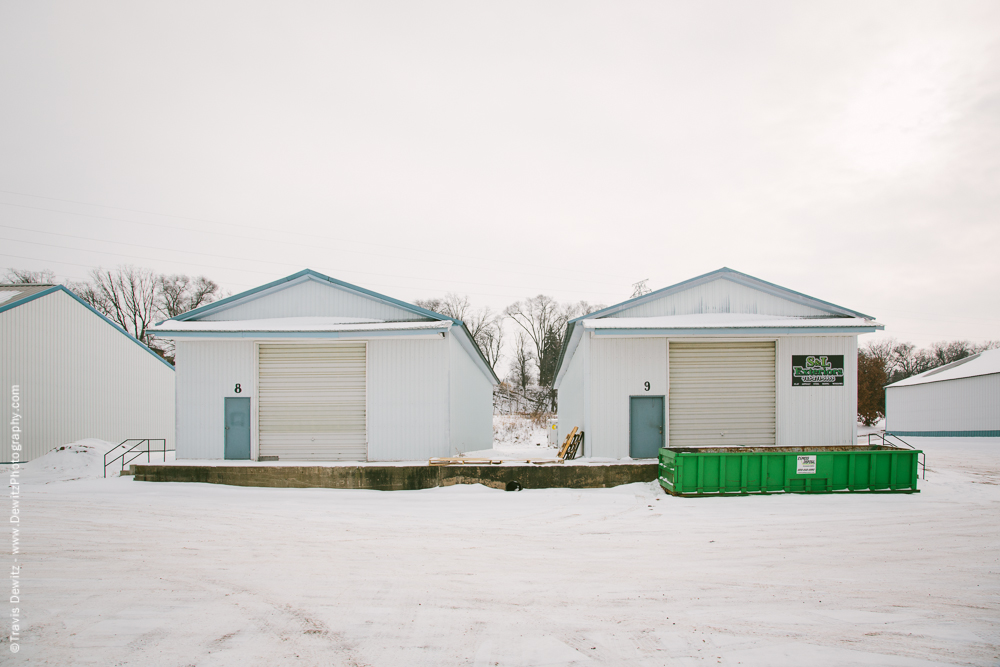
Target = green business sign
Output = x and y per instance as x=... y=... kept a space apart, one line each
x=817 y=370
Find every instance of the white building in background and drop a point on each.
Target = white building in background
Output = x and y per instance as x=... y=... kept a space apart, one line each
x=960 y=399
x=77 y=374
x=723 y=359
x=308 y=368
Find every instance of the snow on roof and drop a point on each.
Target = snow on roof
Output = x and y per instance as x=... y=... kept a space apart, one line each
x=724 y=321
x=984 y=363
x=293 y=324
x=9 y=294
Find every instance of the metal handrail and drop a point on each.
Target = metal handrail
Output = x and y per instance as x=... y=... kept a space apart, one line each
x=921 y=457
x=135 y=452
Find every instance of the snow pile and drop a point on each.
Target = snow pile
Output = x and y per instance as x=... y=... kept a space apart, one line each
x=83 y=459
x=517 y=436
x=517 y=431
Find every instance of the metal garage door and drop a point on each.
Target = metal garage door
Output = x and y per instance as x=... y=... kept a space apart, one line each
x=312 y=401
x=721 y=394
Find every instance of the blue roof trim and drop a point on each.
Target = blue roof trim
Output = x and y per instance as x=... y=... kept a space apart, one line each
x=198 y=312
x=770 y=331
x=26 y=299
x=947 y=434
x=725 y=273
x=63 y=288
x=475 y=346
x=728 y=274
x=570 y=326
x=430 y=314
x=303 y=334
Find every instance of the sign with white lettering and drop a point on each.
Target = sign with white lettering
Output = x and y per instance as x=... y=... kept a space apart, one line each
x=817 y=370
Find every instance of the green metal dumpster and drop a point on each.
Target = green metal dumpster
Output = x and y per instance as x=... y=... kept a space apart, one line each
x=708 y=471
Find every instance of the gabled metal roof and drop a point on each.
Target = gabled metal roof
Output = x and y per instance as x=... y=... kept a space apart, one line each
x=316 y=275
x=19 y=292
x=34 y=291
x=982 y=363
x=724 y=273
x=306 y=273
x=736 y=277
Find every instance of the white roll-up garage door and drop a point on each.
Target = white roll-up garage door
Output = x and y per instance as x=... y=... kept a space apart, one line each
x=312 y=401
x=721 y=394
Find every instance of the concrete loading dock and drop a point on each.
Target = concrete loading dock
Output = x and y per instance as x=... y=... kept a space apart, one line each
x=402 y=477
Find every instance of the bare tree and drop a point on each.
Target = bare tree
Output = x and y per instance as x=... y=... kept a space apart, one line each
x=452 y=305
x=520 y=372
x=490 y=341
x=544 y=321
x=127 y=295
x=581 y=308
x=945 y=352
x=26 y=277
x=178 y=294
x=485 y=326
x=537 y=316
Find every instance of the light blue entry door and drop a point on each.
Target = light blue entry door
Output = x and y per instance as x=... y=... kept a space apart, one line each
x=237 y=428
x=645 y=427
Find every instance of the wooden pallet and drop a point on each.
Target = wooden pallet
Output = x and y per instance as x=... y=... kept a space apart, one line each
x=572 y=445
x=462 y=460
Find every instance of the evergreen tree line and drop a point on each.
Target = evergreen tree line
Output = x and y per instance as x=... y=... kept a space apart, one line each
x=885 y=361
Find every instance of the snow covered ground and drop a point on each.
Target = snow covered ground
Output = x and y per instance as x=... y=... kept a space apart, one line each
x=517 y=437
x=118 y=572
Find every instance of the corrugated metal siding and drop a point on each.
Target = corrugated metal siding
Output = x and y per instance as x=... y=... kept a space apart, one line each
x=311 y=404
x=571 y=390
x=79 y=377
x=721 y=394
x=408 y=404
x=966 y=404
x=207 y=372
x=619 y=367
x=311 y=298
x=471 y=401
x=817 y=415
x=719 y=296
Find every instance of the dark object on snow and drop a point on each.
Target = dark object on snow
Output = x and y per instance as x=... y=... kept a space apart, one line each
x=513 y=486
x=574 y=446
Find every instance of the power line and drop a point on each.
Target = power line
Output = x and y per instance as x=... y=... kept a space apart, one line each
x=244 y=259
x=266 y=229
x=243 y=237
x=221 y=268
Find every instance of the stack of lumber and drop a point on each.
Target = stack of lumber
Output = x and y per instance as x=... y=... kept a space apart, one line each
x=468 y=460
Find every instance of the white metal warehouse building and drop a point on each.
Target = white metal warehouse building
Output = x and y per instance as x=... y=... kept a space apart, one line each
x=958 y=400
x=724 y=359
x=309 y=368
x=77 y=374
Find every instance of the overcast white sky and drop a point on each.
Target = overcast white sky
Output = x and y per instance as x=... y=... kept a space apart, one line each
x=850 y=151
